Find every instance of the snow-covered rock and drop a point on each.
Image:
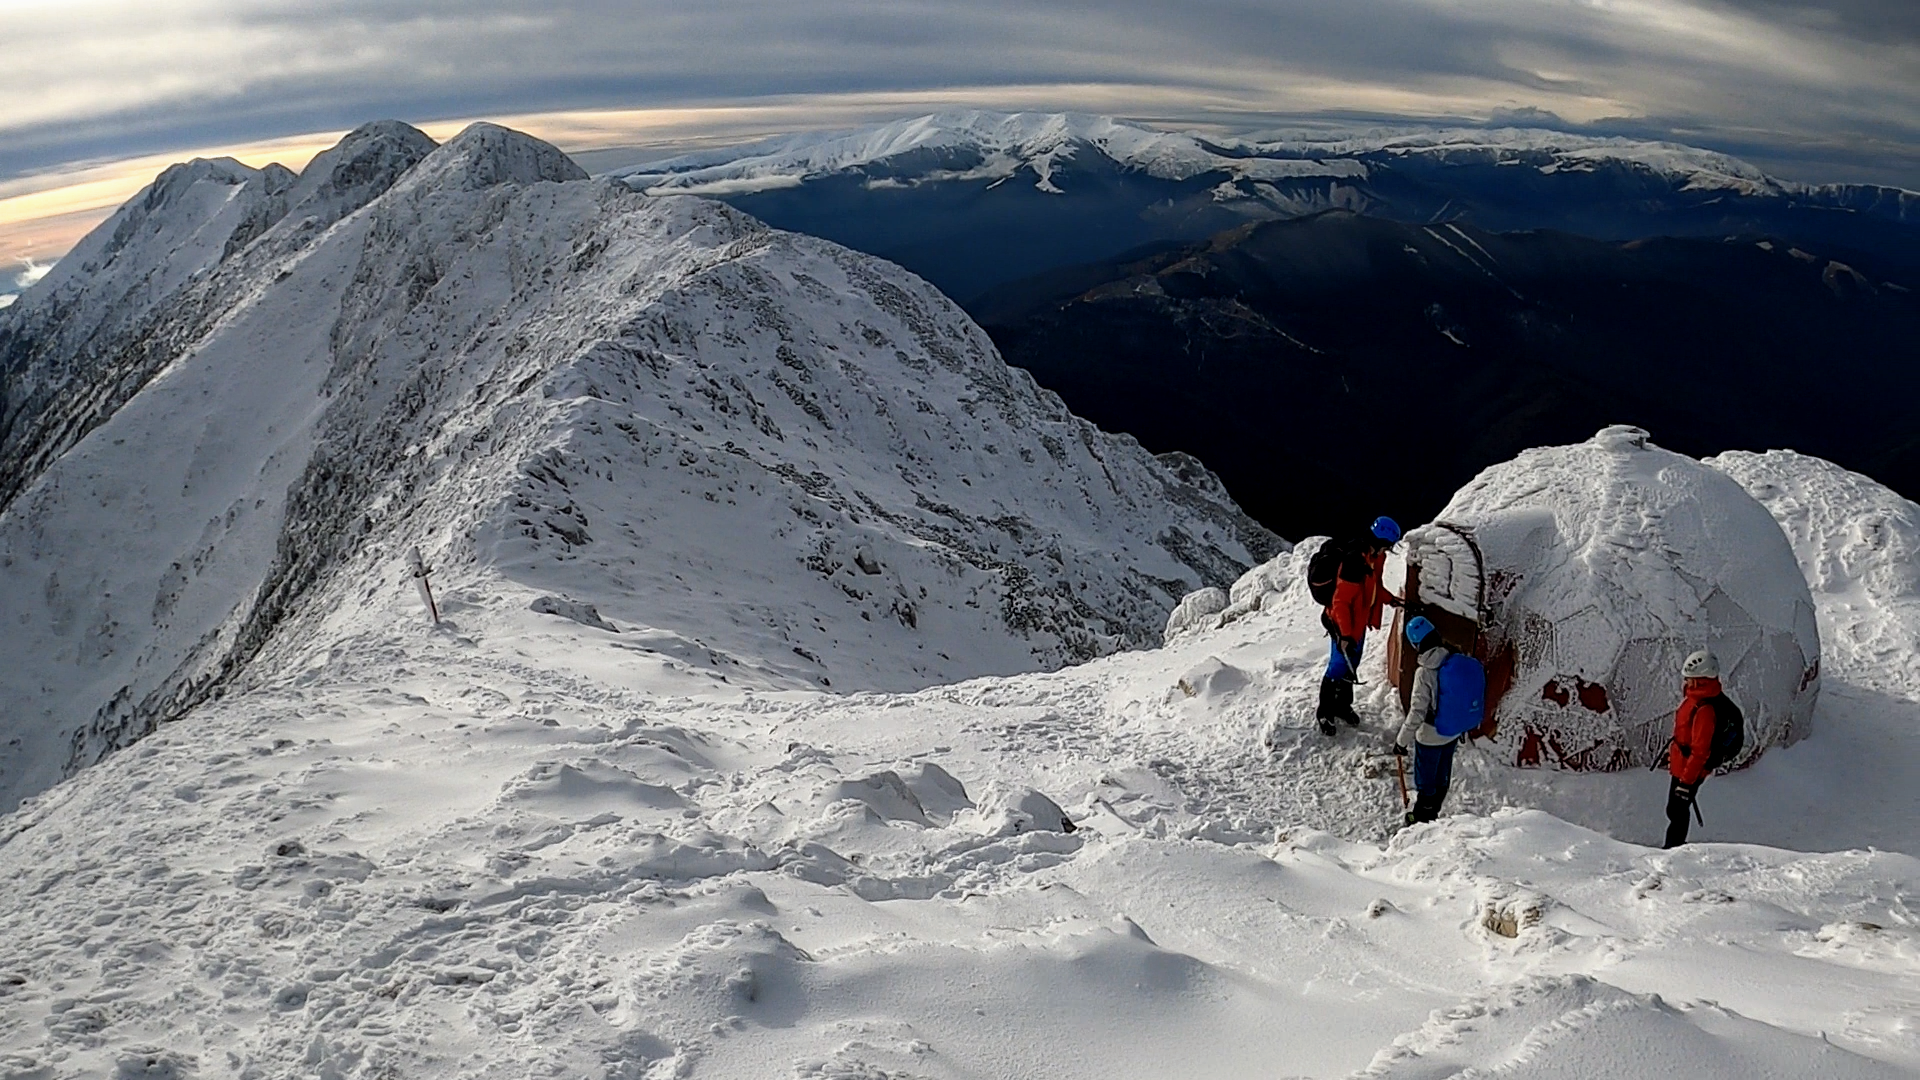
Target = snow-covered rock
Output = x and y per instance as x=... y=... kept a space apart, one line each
x=1199 y=609
x=1210 y=680
x=1011 y=809
x=780 y=462
x=584 y=614
x=522 y=843
x=1608 y=562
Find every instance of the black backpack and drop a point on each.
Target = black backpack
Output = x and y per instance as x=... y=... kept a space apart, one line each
x=1323 y=570
x=1729 y=732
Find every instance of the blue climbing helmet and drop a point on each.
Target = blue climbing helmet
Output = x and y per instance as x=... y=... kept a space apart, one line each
x=1387 y=529
x=1418 y=628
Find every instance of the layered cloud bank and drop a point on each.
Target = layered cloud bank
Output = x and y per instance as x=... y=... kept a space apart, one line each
x=1833 y=84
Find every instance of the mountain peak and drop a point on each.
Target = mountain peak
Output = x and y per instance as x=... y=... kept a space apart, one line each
x=356 y=170
x=175 y=179
x=484 y=155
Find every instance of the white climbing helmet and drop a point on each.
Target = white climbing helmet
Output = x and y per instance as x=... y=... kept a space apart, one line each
x=1701 y=665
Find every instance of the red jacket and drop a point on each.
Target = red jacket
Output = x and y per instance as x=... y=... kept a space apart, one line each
x=1693 y=732
x=1356 y=604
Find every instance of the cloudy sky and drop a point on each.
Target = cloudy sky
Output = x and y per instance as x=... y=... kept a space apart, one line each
x=97 y=95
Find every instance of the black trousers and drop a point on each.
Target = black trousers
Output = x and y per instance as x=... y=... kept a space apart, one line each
x=1432 y=775
x=1679 y=807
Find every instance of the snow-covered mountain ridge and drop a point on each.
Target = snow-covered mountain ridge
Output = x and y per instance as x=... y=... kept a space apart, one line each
x=247 y=396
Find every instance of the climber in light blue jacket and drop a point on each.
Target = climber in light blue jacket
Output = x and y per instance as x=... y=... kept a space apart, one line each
x=1442 y=707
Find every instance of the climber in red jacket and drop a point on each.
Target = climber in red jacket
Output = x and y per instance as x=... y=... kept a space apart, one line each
x=1355 y=608
x=1693 y=728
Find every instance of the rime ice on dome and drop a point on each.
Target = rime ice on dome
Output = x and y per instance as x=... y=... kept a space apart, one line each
x=1605 y=564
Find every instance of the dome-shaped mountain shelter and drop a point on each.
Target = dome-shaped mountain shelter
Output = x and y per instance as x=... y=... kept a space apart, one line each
x=1583 y=575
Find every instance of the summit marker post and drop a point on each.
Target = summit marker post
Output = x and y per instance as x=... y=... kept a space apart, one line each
x=419 y=569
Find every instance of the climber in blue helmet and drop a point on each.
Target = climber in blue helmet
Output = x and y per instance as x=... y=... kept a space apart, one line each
x=1448 y=701
x=1344 y=576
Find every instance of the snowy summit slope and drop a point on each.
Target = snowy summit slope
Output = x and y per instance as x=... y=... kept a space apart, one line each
x=784 y=462
x=519 y=850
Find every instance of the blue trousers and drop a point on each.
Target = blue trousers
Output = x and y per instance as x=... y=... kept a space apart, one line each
x=1337 y=667
x=1432 y=773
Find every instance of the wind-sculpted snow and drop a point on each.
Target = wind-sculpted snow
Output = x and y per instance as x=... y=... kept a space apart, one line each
x=789 y=463
x=1858 y=544
x=523 y=850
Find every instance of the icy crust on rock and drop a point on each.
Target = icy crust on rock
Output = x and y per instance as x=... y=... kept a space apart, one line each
x=1451 y=575
x=786 y=463
x=1858 y=543
x=1608 y=562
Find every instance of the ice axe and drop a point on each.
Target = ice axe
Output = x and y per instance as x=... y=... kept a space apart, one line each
x=1400 y=770
x=1661 y=761
x=1352 y=658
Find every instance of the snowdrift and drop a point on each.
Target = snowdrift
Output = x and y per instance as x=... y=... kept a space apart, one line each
x=1595 y=569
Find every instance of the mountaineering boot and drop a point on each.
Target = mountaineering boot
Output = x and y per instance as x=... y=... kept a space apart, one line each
x=1325 y=713
x=1343 y=703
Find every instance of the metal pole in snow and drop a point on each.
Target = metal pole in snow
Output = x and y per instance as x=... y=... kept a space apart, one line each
x=420 y=570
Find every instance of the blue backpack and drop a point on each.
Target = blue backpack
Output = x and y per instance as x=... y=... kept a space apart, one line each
x=1463 y=695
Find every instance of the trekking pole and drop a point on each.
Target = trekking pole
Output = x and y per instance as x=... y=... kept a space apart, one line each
x=1400 y=769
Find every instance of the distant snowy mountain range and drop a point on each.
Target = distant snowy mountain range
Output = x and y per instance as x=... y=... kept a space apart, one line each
x=229 y=413
x=1031 y=146
x=962 y=197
